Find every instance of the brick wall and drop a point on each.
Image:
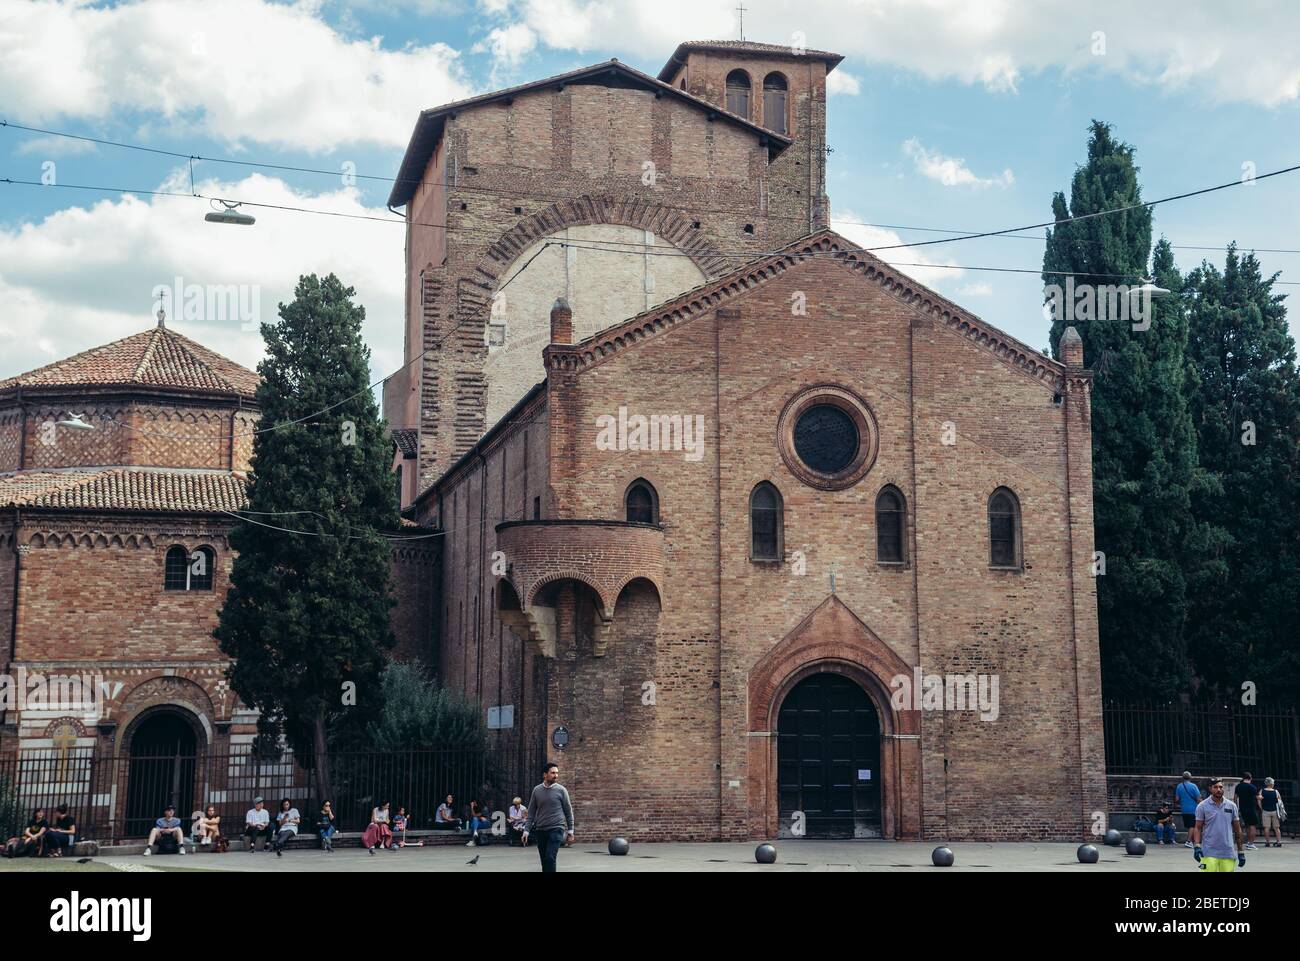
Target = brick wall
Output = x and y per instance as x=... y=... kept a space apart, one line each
x=476 y=653
x=141 y=433
x=414 y=582
x=95 y=591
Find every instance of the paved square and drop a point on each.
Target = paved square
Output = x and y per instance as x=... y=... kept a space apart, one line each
x=791 y=856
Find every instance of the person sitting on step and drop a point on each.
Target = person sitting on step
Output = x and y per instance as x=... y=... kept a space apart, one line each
x=257 y=823
x=166 y=829
x=286 y=823
x=207 y=828
x=31 y=843
x=325 y=827
x=62 y=833
x=444 y=819
x=379 y=833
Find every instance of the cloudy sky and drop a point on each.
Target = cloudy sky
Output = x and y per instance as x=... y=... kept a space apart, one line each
x=955 y=114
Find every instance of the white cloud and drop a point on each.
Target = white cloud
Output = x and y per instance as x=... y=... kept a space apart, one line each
x=950 y=171
x=909 y=261
x=1213 y=50
x=236 y=70
x=508 y=45
x=841 y=82
x=979 y=288
x=53 y=147
x=85 y=276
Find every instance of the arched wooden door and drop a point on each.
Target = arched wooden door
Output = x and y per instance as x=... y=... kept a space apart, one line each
x=828 y=760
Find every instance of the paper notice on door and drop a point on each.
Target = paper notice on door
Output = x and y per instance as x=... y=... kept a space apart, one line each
x=864 y=774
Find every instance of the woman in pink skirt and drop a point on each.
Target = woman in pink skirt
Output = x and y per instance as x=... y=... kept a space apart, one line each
x=378 y=833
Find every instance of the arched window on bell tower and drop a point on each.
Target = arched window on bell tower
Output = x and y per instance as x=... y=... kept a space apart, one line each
x=738 y=87
x=775 y=89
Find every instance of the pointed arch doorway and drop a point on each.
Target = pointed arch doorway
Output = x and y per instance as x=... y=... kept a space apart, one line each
x=828 y=760
x=833 y=641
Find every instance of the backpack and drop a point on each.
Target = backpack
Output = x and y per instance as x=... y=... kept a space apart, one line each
x=167 y=843
x=1143 y=823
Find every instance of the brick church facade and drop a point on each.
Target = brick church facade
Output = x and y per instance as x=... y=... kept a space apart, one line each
x=713 y=481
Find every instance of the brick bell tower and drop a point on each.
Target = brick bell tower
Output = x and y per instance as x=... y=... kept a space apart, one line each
x=782 y=88
x=518 y=197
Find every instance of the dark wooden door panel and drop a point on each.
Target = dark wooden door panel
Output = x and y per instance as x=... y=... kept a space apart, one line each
x=828 y=759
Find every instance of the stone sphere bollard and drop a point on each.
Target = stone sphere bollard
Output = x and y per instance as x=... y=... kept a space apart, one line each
x=618 y=846
x=942 y=857
x=1088 y=854
x=1113 y=838
x=1136 y=847
x=765 y=854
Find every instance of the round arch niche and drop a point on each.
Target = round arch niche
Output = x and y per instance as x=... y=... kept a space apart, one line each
x=607 y=273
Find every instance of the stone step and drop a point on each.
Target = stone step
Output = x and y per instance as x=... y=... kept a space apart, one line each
x=305 y=841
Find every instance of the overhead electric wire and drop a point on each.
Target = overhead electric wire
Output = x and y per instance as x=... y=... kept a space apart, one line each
x=636 y=247
x=515 y=192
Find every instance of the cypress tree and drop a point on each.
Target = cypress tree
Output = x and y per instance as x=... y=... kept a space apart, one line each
x=1144 y=446
x=1246 y=411
x=306 y=616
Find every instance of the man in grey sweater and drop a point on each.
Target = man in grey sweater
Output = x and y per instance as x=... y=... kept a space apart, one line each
x=551 y=815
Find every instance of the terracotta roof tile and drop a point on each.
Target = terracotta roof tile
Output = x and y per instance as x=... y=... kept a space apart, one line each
x=158 y=357
x=125 y=488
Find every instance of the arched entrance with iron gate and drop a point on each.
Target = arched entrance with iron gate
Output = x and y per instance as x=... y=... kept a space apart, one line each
x=163 y=753
x=828 y=760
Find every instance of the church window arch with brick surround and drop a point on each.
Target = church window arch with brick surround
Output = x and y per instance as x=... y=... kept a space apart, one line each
x=186 y=570
x=766 y=523
x=641 y=502
x=891 y=526
x=1005 y=539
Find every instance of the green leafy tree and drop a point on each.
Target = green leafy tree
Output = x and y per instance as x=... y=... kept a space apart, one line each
x=1246 y=411
x=420 y=713
x=1144 y=446
x=306 y=617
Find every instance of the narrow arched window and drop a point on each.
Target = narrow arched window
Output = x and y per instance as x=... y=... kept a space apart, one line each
x=766 y=523
x=1004 y=529
x=175 y=574
x=186 y=570
x=642 y=503
x=774 y=96
x=738 y=93
x=891 y=526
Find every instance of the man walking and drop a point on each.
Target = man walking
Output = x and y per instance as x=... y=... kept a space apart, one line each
x=550 y=815
x=1218 y=832
x=1189 y=795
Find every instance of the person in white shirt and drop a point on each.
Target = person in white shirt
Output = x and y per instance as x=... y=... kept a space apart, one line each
x=444 y=819
x=518 y=818
x=257 y=823
x=286 y=823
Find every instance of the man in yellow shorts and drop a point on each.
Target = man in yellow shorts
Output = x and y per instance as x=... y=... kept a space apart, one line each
x=1217 y=834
